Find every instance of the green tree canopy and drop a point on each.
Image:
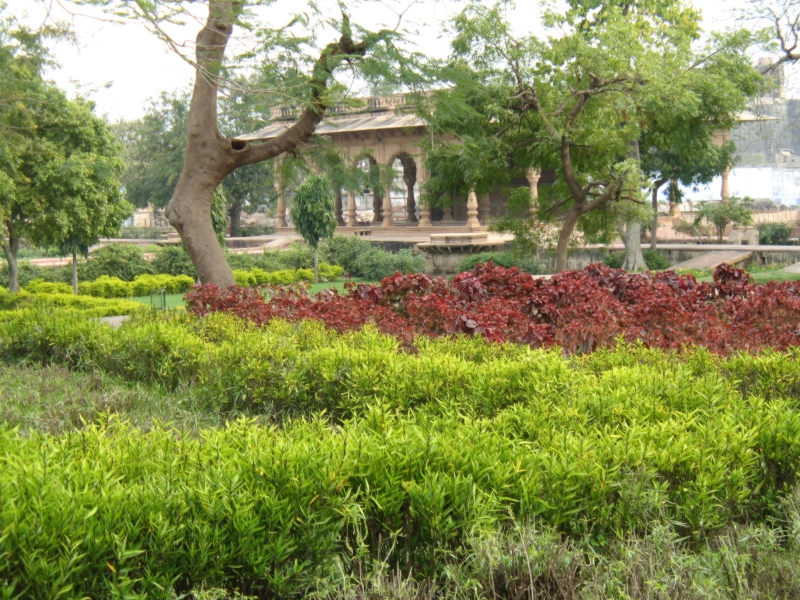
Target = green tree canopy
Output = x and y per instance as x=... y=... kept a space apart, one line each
x=572 y=102
x=312 y=213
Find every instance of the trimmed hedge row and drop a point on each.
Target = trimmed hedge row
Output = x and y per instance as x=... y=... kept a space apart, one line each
x=39 y=302
x=254 y=277
x=448 y=443
x=113 y=287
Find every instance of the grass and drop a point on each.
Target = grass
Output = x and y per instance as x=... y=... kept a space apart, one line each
x=176 y=300
x=55 y=400
x=762 y=277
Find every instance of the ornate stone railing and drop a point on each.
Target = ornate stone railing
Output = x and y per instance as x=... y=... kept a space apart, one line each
x=370 y=104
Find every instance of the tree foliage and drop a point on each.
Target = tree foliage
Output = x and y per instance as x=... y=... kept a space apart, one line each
x=573 y=101
x=312 y=213
x=721 y=213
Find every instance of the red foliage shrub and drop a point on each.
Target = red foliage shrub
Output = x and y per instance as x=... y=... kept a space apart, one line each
x=576 y=310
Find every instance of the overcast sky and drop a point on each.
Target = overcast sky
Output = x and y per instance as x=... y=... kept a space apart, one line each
x=121 y=66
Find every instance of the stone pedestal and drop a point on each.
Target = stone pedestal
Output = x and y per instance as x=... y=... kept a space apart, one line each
x=472 y=212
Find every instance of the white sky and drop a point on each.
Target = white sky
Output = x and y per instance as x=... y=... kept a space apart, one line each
x=121 y=66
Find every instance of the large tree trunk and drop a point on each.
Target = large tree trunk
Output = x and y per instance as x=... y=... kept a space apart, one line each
x=653 y=233
x=235 y=213
x=210 y=157
x=631 y=234
x=11 y=249
x=562 y=248
x=75 y=272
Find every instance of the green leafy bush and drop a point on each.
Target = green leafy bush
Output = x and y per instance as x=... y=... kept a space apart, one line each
x=377 y=264
x=98 y=307
x=774 y=234
x=123 y=261
x=242 y=262
x=346 y=251
x=171 y=284
x=330 y=272
x=655 y=261
x=592 y=448
x=28 y=272
x=173 y=260
x=106 y=287
x=40 y=286
x=526 y=264
x=244 y=278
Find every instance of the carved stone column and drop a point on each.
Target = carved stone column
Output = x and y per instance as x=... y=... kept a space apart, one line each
x=533 y=175
x=424 y=210
x=350 y=215
x=484 y=207
x=447 y=216
x=280 y=213
x=472 y=211
x=387 y=212
x=725 y=192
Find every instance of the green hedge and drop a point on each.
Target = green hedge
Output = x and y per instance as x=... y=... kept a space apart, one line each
x=258 y=276
x=114 y=287
x=432 y=447
x=98 y=307
x=40 y=286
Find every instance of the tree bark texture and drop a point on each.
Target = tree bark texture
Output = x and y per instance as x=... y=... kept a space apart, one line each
x=631 y=234
x=210 y=157
x=11 y=249
x=74 y=272
x=654 y=233
x=632 y=231
x=562 y=248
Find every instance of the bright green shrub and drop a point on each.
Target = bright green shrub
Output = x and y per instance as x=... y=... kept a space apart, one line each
x=144 y=284
x=271 y=260
x=283 y=277
x=595 y=446
x=330 y=272
x=244 y=278
x=98 y=307
x=39 y=286
x=304 y=275
x=106 y=287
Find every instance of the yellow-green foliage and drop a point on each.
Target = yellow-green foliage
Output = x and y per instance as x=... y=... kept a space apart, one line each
x=258 y=276
x=98 y=307
x=171 y=284
x=305 y=274
x=40 y=286
x=244 y=278
x=330 y=272
x=432 y=447
x=106 y=287
x=113 y=287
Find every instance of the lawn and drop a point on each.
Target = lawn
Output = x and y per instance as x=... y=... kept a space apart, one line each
x=763 y=276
